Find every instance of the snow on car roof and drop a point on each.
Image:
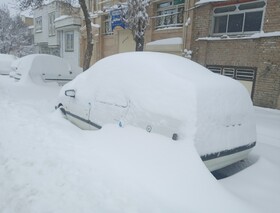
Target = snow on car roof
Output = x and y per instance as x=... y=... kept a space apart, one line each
x=32 y=66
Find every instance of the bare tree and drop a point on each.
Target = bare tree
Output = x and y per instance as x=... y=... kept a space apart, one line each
x=25 y=4
x=137 y=21
x=14 y=36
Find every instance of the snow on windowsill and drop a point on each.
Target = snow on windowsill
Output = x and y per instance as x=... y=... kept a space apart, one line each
x=253 y=36
x=208 y=1
x=169 y=28
x=168 y=41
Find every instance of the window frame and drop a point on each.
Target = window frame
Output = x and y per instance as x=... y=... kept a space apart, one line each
x=51 y=26
x=169 y=9
x=235 y=12
x=38 y=24
x=107 y=21
x=72 y=45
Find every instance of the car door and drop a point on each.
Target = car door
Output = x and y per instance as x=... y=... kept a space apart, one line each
x=77 y=109
x=108 y=107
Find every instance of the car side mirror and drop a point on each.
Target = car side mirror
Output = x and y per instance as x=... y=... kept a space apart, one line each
x=70 y=93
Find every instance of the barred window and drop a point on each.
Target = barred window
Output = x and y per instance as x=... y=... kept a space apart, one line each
x=169 y=14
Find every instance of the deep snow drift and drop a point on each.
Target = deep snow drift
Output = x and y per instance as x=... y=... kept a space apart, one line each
x=49 y=165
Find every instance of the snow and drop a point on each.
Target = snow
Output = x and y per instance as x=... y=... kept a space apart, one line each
x=49 y=165
x=38 y=67
x=208 y=1
x=5 y=63
x=167 y=41
x=253 y=36
x=202 y=112
x=62 y=18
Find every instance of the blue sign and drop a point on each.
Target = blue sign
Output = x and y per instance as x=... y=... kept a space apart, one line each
x=117 y=19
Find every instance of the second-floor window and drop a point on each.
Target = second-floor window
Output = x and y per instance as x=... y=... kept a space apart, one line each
x=239 y=18
x=169 y=14
x=69 y=41
x=38 y=24
x=51 y=24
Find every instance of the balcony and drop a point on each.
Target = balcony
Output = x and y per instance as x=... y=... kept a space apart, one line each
x=66 y=21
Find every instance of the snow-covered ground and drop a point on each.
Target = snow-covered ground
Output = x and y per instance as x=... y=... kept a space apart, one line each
x=49 y=165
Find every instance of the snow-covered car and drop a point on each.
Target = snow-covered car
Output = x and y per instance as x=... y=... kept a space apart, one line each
x=167 y=95
x=5 y=63
x=43 y=68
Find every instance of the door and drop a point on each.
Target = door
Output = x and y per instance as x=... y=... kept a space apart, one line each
x=109 y=107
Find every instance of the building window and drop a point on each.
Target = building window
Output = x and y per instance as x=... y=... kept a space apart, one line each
x=239 y=18
x=89 y=4
x=51 y=24
x=107 y=25
x=69 y=41
x=38 y=24
x=169 y=14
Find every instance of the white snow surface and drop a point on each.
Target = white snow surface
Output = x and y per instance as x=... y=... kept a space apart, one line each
x=189 y=94
x=208 y=1
x=38 y=67
x=5 y=63
x=167 y=41
x=62 y=17
x=261 y=34
x=49 y=165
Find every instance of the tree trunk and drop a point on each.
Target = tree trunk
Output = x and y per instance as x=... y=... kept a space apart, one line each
x=89 y=48
x=140 y=44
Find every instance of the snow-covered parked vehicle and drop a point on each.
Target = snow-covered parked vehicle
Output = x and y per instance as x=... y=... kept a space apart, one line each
x=167 y=95
x=5 y=63
x=43 y=68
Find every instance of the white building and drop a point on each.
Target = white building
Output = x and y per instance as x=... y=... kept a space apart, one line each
x=57 y=31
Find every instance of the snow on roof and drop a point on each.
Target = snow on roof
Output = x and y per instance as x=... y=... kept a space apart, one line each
x=208 y=1
x=168 y=41
x=62 y=18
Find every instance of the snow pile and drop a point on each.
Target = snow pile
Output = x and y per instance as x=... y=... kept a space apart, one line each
x=213 y=110
x=5 y=63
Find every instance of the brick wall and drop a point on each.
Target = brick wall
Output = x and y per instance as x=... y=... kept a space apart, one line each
x=267 y=88
x=262 y=53
x=272 y=16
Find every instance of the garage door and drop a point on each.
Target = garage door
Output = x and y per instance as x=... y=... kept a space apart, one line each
x=245 y=75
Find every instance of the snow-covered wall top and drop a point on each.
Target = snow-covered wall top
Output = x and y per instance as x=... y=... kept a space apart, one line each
x=208 y=1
